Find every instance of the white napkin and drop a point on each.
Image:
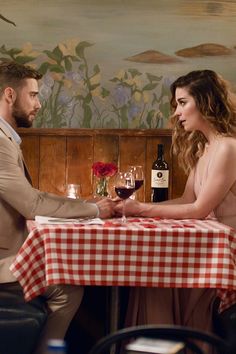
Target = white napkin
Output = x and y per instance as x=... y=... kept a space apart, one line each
x=154 y=345
x=52 y=220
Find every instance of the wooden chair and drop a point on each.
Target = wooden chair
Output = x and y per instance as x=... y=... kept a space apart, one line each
x=189 y=336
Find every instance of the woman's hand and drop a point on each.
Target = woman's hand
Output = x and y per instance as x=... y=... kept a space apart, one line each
x=106 y=208
x=132 y=207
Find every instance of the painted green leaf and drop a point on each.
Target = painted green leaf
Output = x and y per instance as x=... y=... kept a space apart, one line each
x=24 y=59
x=51 y=55
x=159 y=122
x=13 y=51
x=58 y=54
x=96 y=69
x=68 y=64
x=115 y=79
x=104 y=92
x=56 y=68
x=150 y=116
x=3 y=49
x=81 y=47
x=152 y=77
x=44 y=68
x=165 y=109
x=10 y=52
x=92 y=87
x=73 y=58
x=134 y=72
x=155 y=99
x=82 y=67
x=149 y=87
x=126 y=84
x=165 y=91
x=3 y=58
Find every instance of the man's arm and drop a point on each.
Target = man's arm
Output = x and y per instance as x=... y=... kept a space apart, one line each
x=28 y=201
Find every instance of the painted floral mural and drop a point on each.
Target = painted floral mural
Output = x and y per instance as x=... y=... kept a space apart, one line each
x=117 y=69
x=72 y=95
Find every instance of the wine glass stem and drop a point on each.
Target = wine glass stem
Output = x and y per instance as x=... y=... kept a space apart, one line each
x=133 y=196
x=123 y=219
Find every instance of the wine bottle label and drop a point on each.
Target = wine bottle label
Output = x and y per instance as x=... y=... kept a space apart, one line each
x=160 y=179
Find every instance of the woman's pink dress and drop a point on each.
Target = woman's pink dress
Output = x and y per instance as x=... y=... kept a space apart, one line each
x=186 y=307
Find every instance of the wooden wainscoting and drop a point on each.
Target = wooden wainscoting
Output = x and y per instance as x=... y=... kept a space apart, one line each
x=59 y=156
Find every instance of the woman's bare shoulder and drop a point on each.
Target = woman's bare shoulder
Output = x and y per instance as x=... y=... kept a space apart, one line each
x=227 y=145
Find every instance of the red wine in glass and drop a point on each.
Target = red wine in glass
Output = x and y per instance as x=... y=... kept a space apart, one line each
x=124 y=188
x=124 y=192
x=138 y=183
x=138 y=174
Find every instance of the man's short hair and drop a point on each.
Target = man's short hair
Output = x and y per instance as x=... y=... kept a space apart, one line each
x=13 y=74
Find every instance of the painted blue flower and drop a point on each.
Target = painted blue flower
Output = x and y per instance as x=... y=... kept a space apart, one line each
x=64 y=98
x=122 y=95
x=73 y=76
x=44 y=92
x=167 y=81
x=48 y=80
x=133 y=110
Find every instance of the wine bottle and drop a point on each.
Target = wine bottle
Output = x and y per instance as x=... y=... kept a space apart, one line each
x=160 y=177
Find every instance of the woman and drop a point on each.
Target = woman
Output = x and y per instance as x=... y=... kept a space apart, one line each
x=204 y=138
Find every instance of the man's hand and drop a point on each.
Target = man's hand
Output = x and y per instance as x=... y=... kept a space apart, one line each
x=106 y=208
x=132 y=207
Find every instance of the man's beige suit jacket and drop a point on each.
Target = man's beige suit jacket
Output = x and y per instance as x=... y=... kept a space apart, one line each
x=19 y=201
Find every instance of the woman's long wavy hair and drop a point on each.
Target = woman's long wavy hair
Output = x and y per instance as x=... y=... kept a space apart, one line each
x=215 y=101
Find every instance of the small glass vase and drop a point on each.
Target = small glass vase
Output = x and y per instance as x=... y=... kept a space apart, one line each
x=101 y=187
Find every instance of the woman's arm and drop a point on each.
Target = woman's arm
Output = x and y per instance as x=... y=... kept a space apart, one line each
x=221 y=177
x=188 y=195
x=152 y=209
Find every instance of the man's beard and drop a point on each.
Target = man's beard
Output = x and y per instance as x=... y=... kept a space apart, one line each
x=21 y=118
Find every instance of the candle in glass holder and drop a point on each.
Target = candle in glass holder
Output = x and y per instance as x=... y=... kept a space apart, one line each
x=73 y=190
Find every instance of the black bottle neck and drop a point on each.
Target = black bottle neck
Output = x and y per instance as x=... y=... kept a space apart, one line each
x=160 y=152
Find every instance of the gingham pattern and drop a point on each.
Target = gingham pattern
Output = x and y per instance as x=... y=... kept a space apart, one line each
x=144 y=252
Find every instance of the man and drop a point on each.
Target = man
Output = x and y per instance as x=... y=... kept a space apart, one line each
x=19 y=201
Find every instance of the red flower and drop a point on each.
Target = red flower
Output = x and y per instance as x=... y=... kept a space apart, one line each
x=104 y=169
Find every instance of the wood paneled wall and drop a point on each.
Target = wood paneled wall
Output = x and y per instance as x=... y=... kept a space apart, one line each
x=59 y=156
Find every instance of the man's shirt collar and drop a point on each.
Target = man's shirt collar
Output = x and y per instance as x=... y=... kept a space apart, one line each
x=14 y=134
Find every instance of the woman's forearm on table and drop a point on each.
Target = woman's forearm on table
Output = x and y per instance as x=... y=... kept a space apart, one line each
x=179 y=200
x=170 y=211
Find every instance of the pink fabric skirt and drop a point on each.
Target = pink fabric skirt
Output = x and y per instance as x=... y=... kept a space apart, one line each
x=184 y=307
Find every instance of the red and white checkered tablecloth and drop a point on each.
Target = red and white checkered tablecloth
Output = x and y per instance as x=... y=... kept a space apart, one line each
x=144 y=252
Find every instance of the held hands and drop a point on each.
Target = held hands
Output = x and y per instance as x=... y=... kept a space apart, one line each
x=113 y=207
x=132 y=207
x=106 y=208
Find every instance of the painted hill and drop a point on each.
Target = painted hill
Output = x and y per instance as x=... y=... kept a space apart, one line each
x=153 y=57
x=207 y=49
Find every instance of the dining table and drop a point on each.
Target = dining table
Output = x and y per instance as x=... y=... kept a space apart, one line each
x=143 y=252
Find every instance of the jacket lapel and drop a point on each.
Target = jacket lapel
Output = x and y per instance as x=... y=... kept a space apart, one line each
x=27 y=174
x=4 y=129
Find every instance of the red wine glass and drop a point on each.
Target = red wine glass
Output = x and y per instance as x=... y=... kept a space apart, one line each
x=138 y=174
x=124 y=188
